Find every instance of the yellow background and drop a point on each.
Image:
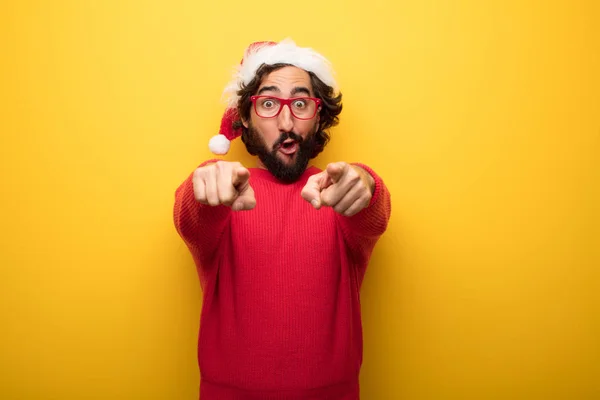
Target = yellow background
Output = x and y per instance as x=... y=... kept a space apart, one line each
x=482 y=117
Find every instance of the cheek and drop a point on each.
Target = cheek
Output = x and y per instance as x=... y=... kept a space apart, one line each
x=267 y=129
x=306 y=127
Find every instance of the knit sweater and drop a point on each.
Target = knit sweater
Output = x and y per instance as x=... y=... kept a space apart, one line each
x=281 y=311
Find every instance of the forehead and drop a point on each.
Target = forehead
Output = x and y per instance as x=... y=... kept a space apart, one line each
x=286 y=79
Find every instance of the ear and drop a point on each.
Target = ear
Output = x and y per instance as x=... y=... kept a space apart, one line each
x=245 y=123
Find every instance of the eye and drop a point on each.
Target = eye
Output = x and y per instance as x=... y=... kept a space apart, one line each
x=299 y=104
x=268 y=103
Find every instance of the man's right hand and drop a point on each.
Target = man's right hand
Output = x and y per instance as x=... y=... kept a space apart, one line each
x=224 y=183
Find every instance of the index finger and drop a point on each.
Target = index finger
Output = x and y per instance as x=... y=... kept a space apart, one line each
x=240 y=177
x=336 y=170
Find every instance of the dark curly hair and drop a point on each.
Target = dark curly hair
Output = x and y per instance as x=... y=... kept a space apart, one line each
x=331 y=105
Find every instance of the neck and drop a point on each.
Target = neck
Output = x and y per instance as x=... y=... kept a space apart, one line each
x=259 y=164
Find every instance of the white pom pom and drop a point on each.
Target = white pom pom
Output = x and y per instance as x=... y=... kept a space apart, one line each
x=219 y=144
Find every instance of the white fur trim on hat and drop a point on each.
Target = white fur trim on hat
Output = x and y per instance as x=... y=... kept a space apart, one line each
x=219 y=144
x=286 y=52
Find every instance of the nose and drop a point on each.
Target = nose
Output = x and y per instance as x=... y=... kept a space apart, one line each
x=285 y=120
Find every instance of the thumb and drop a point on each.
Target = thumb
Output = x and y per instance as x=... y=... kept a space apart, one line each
x=240 y=179
x=336 y=170
x=311 y=192
x=245 y=200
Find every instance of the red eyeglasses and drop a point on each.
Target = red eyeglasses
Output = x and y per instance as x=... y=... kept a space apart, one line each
x=300 y=107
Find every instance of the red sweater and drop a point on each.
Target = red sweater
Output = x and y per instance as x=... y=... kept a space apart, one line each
x=281 y=311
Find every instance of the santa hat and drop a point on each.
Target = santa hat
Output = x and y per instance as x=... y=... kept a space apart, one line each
x=257 y=54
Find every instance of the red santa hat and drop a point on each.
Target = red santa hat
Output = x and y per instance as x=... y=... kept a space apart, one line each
x=257 y=54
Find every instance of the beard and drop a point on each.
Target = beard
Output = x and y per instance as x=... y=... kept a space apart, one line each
x=285 y=172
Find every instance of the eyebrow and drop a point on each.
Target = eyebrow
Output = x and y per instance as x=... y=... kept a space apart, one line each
x=295 y=91
x=269 y=89
x=300 y=89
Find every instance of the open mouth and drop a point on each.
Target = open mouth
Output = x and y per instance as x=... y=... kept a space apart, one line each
x=289 y=147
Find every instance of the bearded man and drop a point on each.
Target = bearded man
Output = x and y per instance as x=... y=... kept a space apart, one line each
x=281 y=249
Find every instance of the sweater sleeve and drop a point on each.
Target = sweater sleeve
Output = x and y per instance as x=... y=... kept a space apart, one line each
x=362 y=230
x=200 y=226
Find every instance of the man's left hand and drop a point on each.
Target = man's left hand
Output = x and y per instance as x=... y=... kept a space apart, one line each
x=347 y=188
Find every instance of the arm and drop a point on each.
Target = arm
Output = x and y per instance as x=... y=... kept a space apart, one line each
x=360 y=199
x=204 y=202
x=200 y=226
x=362 y=230
x=372 y=220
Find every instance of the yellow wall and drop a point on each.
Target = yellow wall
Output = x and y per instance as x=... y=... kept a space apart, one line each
x=483 y=119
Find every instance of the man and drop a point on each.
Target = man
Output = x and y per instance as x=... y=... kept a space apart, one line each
x=282 y=249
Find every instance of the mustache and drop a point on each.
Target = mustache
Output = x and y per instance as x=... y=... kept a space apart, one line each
x=285 y=136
